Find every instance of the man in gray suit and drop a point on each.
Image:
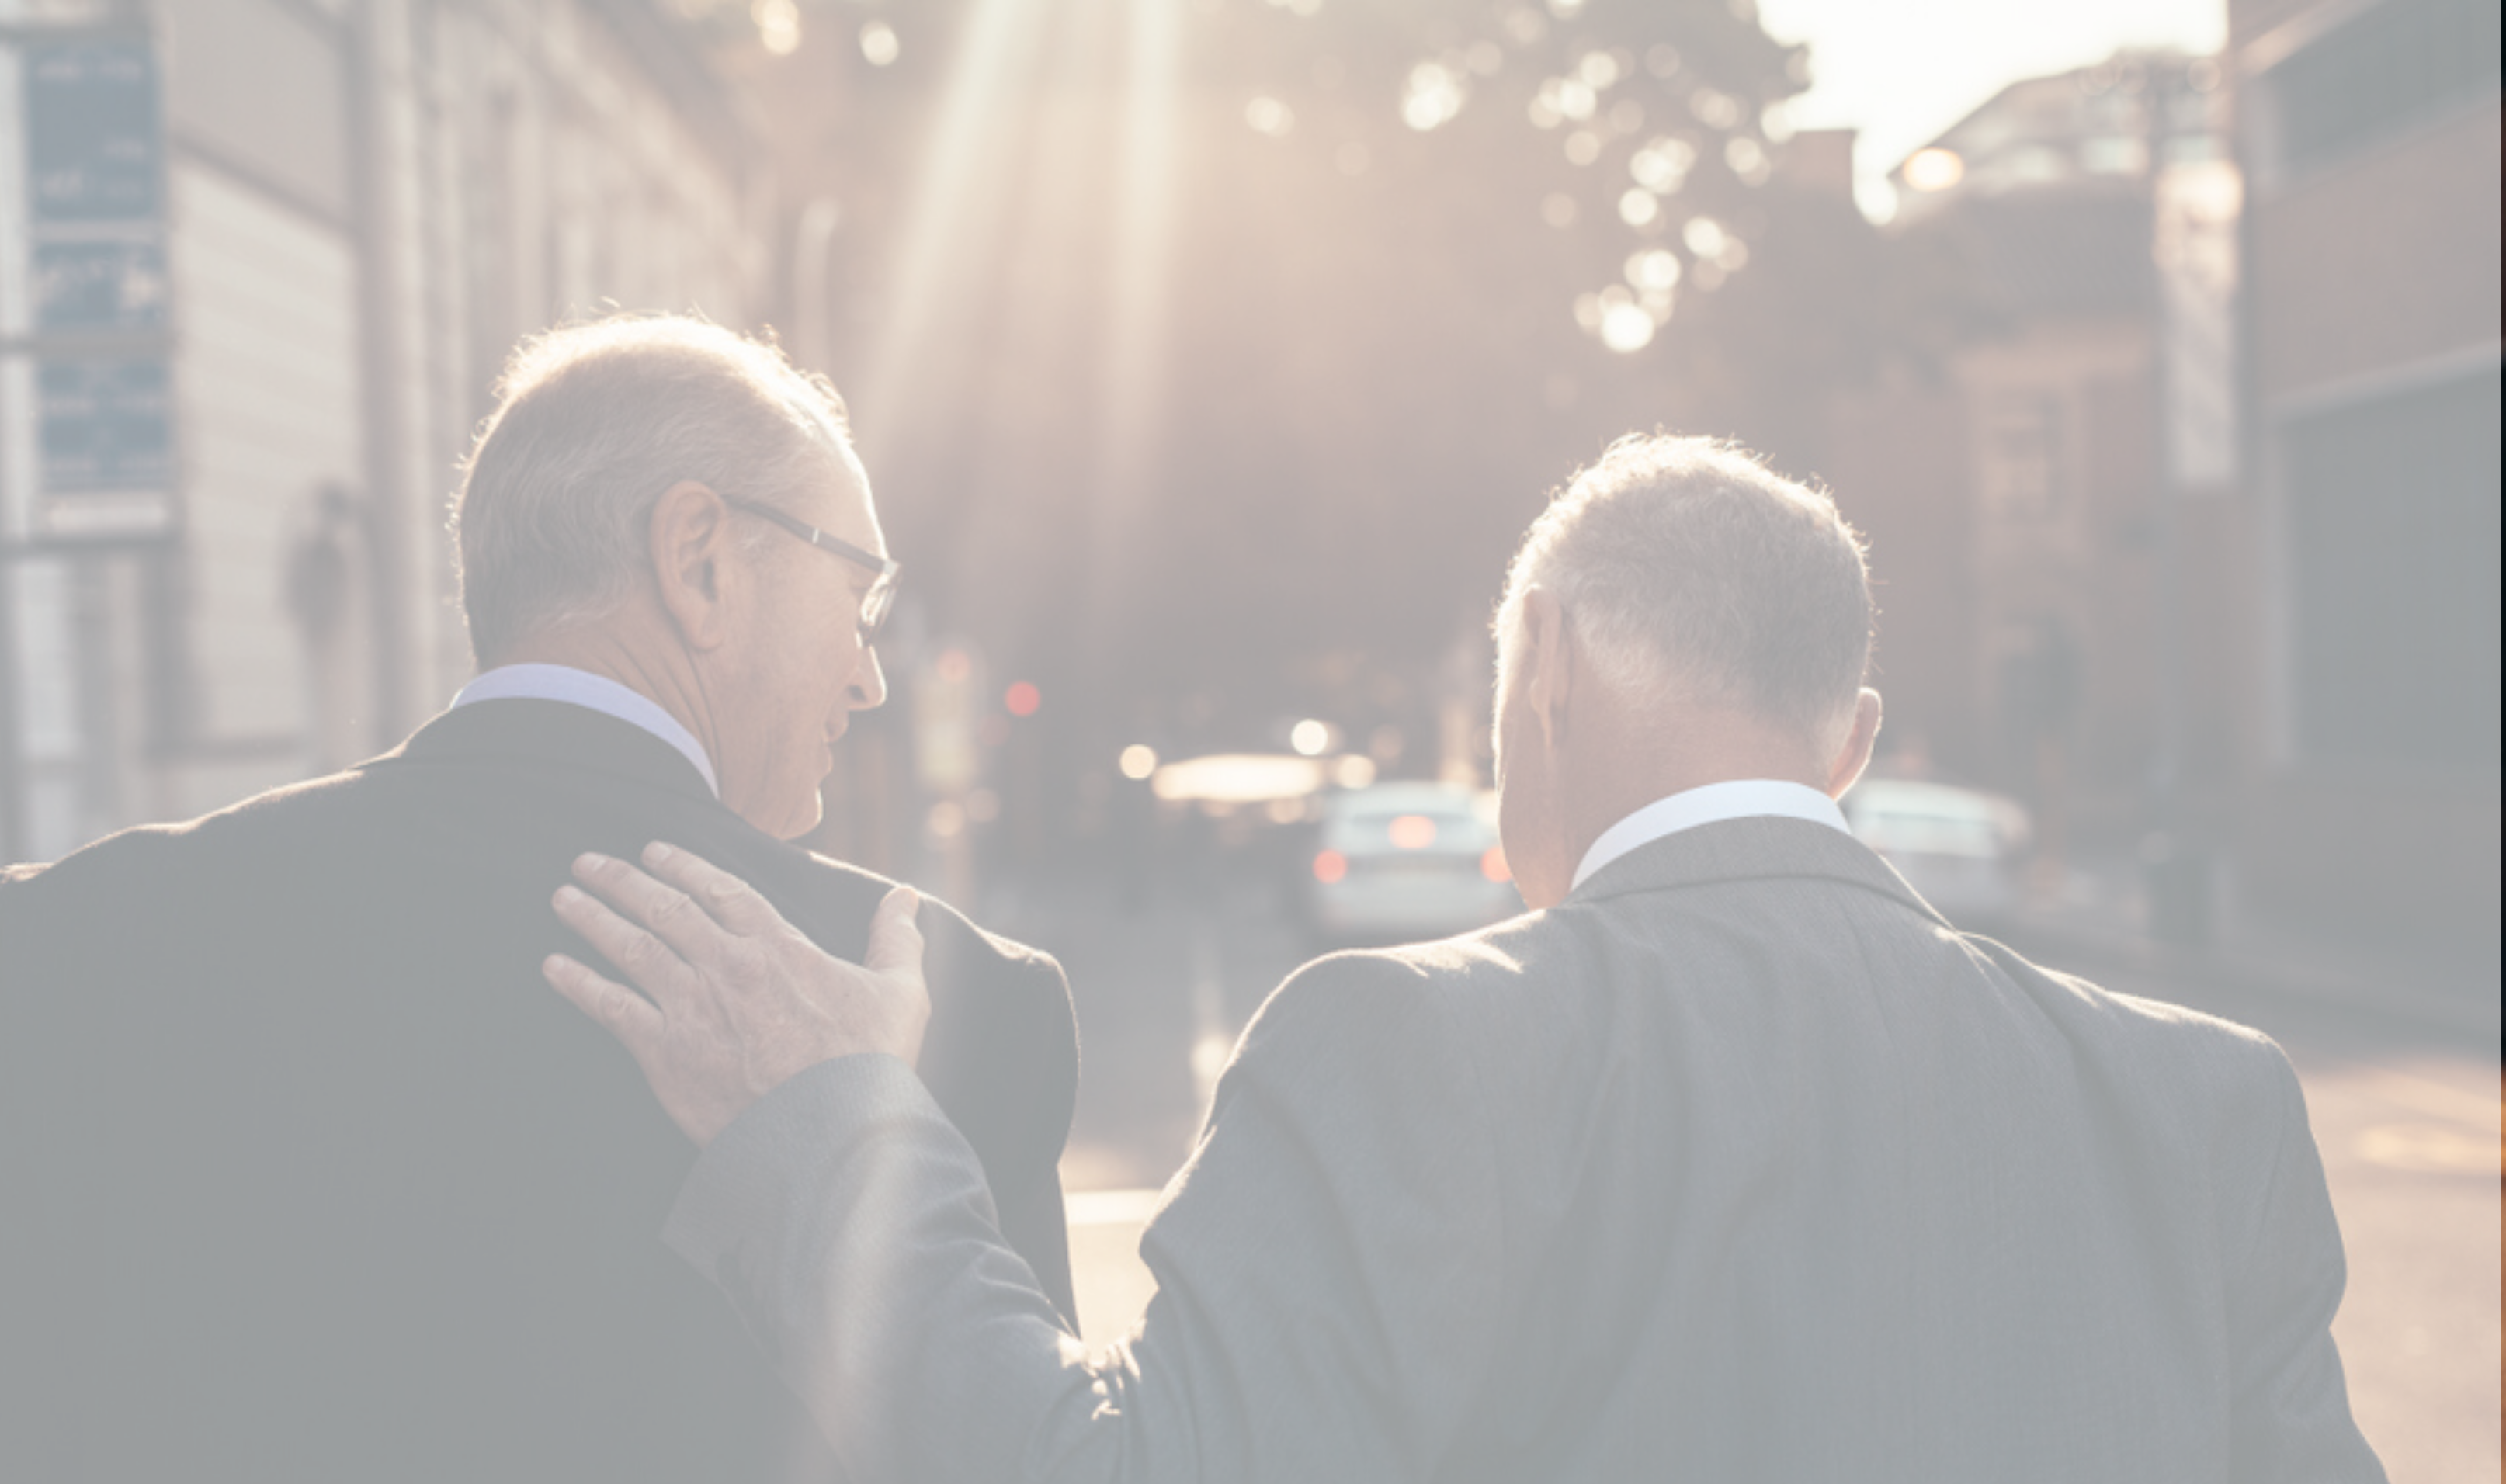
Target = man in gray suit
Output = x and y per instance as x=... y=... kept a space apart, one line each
x=1729 y=1160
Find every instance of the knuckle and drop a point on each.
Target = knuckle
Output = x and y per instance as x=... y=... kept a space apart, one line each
x=642 y=950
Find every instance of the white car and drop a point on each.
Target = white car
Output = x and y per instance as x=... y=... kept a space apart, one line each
x=1406 y=861
x=1959 y=848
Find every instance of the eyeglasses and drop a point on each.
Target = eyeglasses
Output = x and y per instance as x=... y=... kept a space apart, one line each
x=878 y=601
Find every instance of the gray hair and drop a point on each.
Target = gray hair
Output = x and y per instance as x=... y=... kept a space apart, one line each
x=1690 y=572
x=593 y=422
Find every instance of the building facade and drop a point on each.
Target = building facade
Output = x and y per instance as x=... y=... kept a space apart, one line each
x=2042 y=467
x=260 y=263
x=2369 y=134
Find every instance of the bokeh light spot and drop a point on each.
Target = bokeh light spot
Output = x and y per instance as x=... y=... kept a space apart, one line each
x=1310 y=737
x=879 y=44
x=1713 y=109
x=1138 y=762
x=1748 y=159
x=1267 y=115
x=1934 y=169
x=778 y=25
x=1022 y=699
x=1433 y=96
x=1654 y=268
x=1626 y=328
x=1661 y=165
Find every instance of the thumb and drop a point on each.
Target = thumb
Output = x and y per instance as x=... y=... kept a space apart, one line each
x=895 y=943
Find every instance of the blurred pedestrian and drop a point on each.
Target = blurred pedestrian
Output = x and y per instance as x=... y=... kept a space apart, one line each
x=1729 y=1160
x=306 y=1177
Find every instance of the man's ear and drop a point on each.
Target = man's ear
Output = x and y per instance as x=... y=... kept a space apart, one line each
x=690 y=544
x=1549 y=662
x=1845 y=770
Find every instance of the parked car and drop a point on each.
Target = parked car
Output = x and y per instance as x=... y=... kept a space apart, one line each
x=1959 y=847
x=1404 y=861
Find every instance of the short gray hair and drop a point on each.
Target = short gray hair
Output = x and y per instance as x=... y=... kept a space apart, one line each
x=593 y=422
x=1690 y=570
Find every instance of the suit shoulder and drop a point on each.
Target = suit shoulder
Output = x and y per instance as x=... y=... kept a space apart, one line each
x=2136 y=1015
x=2172 y=1049
x=1455 y=991
x=940 y=921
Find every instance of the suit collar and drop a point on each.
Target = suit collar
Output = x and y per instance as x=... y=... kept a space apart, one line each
x=1757 y=848
x=535 y=680
x=556 y=734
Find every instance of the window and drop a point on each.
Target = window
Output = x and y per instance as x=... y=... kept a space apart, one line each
x=2398 y=63
x=2023 y=455
x=2393 y=527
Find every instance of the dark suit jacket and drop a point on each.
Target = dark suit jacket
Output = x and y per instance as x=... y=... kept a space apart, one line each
x=1740 y=1164
x=311 y=1176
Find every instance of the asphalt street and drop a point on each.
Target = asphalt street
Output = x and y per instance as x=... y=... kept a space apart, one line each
x=2407 y=1117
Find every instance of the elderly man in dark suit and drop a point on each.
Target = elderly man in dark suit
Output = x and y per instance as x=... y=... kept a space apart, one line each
x=1729 y=1160
x=307 y=1176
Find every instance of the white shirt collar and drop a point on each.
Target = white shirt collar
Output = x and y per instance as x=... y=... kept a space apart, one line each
x=593 y=692
x=1743 y=798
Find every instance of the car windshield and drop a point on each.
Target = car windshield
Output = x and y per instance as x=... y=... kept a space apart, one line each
x=1925 y=819
x=1438 y=820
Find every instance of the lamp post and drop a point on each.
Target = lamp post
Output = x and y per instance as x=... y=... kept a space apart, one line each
x=12 y=771
x=2175 y=865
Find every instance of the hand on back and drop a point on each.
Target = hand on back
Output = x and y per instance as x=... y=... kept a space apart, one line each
x=736 y=1000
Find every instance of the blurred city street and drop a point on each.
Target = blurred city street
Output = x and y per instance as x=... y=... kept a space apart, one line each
x=1201 y=365
x=2404 y=1107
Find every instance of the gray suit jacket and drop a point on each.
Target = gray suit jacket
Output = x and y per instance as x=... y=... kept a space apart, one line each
x=1741 y=1164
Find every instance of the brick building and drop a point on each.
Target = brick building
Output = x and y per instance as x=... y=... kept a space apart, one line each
x=2026 y=467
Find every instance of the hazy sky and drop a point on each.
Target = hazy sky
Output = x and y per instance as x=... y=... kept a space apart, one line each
x=1902 y=70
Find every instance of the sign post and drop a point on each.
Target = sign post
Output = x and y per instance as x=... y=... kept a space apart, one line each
x=87 y=412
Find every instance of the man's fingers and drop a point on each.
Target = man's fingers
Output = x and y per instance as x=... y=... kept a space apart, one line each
x=895 y=943
x=671 y=914
x=623 y=1013
x=653 y=964
x=726 y=899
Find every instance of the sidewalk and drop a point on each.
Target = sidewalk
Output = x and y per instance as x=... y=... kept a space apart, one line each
x=2096 y=918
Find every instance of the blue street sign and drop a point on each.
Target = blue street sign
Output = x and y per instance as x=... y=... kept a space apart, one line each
x=105 y=426
x=99 y=286
x=92 y=136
